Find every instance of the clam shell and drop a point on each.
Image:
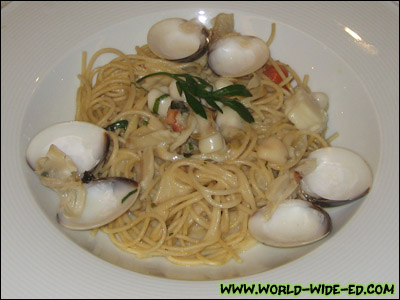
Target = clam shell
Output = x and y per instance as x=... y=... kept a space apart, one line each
x=237 y=55
x=85 y=143
x=294 y=223
x=106 y=200
x=340 y=176
x=178 y=39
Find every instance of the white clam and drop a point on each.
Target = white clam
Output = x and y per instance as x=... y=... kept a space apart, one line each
x=85 y=143
x=178 y=39
x=104 y=203
x=294 y=223
x=340 y=176
x=237 y=55
x=63 y=151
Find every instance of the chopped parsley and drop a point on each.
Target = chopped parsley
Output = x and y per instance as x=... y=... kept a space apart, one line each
x=128 y=195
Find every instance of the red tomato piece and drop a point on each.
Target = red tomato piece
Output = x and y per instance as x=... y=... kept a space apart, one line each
x=273 y=74
x=174 y=119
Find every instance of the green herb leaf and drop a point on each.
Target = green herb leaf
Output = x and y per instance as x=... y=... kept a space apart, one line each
x=211 y=101
x=157 y=103
x=196 y=88
x=191 y=82
x=204 y=83
x=179 y=87
x=190 y=146
x=128 y=195
x=194 y=103
x=117 y=125
x=232 y=90
x=187 y=155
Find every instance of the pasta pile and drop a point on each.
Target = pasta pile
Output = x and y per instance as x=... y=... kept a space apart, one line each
x=192 y=209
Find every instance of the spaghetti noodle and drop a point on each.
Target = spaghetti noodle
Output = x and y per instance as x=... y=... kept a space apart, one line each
x=194 y=207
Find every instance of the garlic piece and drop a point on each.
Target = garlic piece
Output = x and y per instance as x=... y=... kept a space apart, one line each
x=322 y=98
x=273 y=150
x=212 y=143
x=305 y=112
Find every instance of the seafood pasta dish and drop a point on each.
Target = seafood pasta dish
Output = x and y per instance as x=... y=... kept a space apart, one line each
x=196 y=147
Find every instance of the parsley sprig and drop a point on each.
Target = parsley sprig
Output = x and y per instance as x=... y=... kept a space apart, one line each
x=196 y=88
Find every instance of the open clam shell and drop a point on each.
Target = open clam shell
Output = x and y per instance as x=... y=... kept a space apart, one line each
x=85 y=143
x=294 y=223
x=178 y=39
x=106 y=200
x=237 y=55
x=340 y=176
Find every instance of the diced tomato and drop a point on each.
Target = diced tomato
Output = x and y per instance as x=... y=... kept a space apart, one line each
x=297 y=176
x=273 y=74
x=174 y=119
x=184 y=168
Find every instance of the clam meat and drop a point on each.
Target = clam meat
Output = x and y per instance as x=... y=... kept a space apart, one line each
x=293 y=223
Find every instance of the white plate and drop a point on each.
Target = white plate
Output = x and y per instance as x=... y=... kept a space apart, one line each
x=41 y=46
